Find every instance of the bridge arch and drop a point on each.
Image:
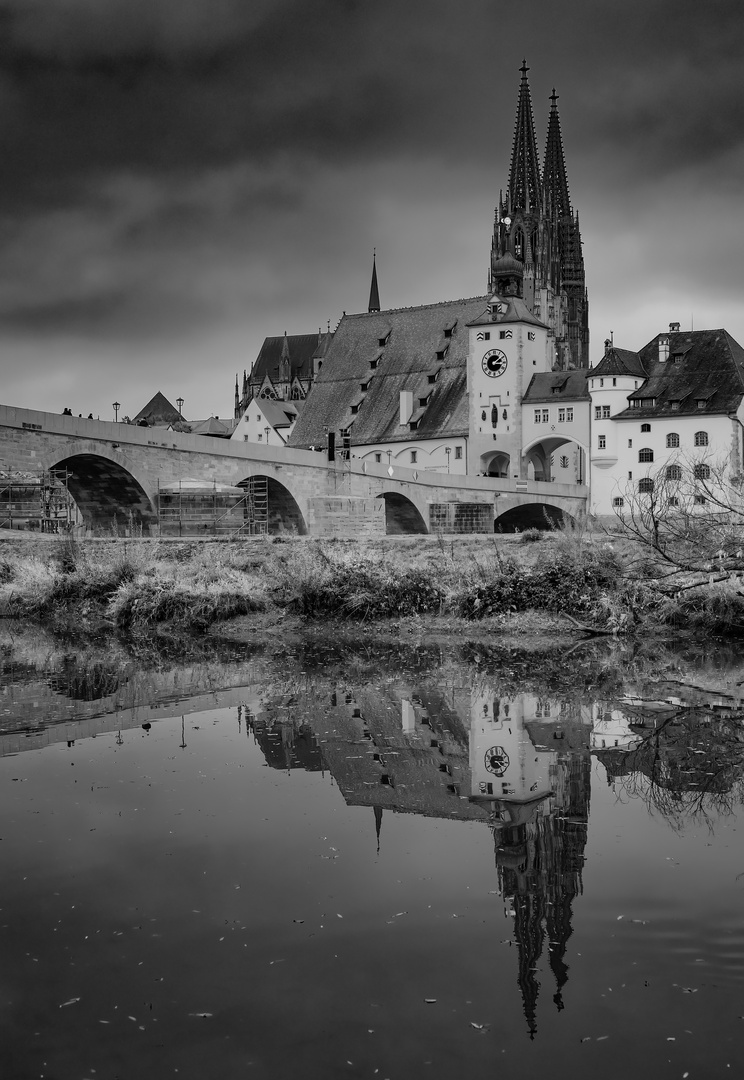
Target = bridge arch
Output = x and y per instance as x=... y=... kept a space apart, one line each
x=402 y=516
x=269 y=500
x=106 y=490
x=532 y=515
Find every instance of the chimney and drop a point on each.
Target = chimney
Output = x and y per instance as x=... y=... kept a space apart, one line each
x=673 y=327
x=664 y=345
x=406 y=405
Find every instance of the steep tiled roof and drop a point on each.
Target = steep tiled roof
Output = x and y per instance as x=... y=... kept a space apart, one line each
x=703 y=374
x=301 y=351
x=158 y=412
x=619 y=362
x=557 y=386
x=415 y=348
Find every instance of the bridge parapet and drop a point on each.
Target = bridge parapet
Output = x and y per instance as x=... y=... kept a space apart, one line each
x=119 y=469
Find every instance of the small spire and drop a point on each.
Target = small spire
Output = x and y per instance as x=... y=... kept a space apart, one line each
x=374 y=292
x=285 y=364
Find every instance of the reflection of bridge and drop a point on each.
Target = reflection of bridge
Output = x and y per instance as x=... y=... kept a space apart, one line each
x=117 y=470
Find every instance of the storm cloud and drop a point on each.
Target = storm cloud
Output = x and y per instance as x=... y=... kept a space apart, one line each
x=183 y=177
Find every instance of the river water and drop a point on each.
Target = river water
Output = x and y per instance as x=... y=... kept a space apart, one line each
x=338 y=857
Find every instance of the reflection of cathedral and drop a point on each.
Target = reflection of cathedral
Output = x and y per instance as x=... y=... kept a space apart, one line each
x=520 y=764
x=535 y=774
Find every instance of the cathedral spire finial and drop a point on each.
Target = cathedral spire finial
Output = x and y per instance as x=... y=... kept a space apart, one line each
x=524 y=174
x=374 y=292
x=555 y=181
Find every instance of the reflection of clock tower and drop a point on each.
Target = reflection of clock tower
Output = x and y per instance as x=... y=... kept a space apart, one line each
x=536 y=227
x=508 y=345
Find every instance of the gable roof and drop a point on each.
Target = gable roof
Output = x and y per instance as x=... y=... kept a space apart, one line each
x=278 y=413
x=703 y=374
x=557 y=386
x=158 y=412
x=302 y=349
x=415 y=348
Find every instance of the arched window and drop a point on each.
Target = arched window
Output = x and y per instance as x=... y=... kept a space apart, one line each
x=674 y=472
x=645 y=427
x=672 y=440
x=646 y=454
x=646 y=485
x=702 y=472
x=701 y=438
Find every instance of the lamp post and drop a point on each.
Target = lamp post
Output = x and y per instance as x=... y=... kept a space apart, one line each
x=448 y=451
x=266 y=433
x=117 y=406
x=179 y=402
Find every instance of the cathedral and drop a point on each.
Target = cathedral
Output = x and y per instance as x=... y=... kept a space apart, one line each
x=420 y=388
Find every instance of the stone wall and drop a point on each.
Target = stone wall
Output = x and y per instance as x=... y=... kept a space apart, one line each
x=346 y=517
x=461 y=517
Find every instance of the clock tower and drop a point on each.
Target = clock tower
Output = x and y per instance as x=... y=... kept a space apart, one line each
x=507 y=346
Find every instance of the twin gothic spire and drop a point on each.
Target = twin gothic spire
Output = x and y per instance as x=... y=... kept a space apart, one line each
x=530 y=190
x=535 y=224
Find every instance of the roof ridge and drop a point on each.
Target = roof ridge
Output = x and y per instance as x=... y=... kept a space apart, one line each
x=417 y=307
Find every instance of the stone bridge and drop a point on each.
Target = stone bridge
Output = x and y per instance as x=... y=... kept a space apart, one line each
x=116 y=473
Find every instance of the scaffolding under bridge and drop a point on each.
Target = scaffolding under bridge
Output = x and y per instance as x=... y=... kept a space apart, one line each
x=193 y=508
x=37 y=501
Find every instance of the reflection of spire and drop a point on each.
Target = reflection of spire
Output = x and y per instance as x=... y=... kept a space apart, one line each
x=183 y=734
x=528 y=929
x=378 y=825
x=540 y=866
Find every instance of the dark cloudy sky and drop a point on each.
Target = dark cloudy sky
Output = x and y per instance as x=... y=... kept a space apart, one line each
x=181 y=178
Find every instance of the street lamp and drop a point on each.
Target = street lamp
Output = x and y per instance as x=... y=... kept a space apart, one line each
x=448 y=451
x=266 y=432
x=179 y=402
x=117 y=406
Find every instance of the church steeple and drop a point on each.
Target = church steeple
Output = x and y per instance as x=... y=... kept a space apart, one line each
x=524 y=172
x=374 y=292
x=555 y=181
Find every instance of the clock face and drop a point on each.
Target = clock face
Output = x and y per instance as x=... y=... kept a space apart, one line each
x=494 y=363
x=497 y=760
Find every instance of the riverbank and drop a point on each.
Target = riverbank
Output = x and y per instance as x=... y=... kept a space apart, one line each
x=534 y=583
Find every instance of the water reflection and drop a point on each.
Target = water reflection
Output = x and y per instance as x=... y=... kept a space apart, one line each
x=468 y=735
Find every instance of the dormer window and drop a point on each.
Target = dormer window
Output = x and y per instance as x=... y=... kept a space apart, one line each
x=382 y=341
x=441 y=353
x=674 y=405
x=364 y=387
x=423 y=402
x=355 y=409
x=449 y=330
x=432 y=377
x=373 y=364
x=413 y=425
x=701 y=403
